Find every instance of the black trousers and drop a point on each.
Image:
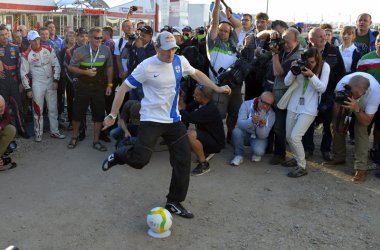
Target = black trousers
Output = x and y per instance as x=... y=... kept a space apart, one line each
x=175 y=136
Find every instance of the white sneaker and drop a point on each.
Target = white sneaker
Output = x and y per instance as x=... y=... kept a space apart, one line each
x=38 y=138
x=255 y=158
x=237 y=160
x=57 y=135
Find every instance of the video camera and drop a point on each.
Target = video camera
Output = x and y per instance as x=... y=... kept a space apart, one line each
x=235 y=74
x=301 y=65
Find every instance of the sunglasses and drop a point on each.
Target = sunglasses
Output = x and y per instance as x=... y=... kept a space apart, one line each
x=245 y=20
x=98 y=37
x=265 y=103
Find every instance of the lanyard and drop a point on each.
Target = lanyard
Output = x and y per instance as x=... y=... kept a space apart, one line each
x=93 y=59
x=305 y=84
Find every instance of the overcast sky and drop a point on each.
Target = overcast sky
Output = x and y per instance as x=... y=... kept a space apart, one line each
x=307 y=11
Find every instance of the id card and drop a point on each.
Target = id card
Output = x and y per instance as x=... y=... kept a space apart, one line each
x=302 y=101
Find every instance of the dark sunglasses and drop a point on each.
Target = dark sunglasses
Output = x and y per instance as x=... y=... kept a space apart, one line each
x=245 y=20
x=98 y=37
x=265 y=103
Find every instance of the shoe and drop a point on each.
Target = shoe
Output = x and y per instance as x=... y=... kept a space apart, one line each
x=209 y=157
x=277 y=160
x=109 y=162
x=237 y=160
x=201 y=168
x=326 y=156
x=308 y=154
x=57 y=135
x=255 y=158
x=360 y=176
x=334 y=162
x=298 y=172
x=38 y=138
x=291 y=163
x=24 y=135
x=177 y=208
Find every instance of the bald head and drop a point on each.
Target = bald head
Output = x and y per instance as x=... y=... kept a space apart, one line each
x=359 y=85
x=317 y=37
x=266 y=100
x=23 y=30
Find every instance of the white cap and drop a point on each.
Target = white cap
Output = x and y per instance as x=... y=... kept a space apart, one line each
x=32 y=35
x=166 y=41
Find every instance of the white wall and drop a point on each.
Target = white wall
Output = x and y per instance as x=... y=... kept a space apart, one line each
x=198 y=15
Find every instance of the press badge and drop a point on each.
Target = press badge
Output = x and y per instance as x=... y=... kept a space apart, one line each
x=302 y=101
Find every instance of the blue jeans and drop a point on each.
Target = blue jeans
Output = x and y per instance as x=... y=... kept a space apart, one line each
x=240 y=138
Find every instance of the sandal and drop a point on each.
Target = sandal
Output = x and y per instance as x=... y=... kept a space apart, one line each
x=73 y=142
x=8 y=166
x=97 y=145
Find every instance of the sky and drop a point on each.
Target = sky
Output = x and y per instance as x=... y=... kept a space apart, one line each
x=335 y=11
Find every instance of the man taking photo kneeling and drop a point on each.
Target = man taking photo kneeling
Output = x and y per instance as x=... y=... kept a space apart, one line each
x=208 y=136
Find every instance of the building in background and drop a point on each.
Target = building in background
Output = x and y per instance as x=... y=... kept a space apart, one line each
x=199 y=15
x=179 y=13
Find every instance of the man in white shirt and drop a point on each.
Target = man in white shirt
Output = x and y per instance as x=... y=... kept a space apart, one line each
x=363 y=100
x=160 y=78
x=123 y=42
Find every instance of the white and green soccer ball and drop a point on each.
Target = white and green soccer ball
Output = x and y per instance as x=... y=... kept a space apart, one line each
x=159 y=220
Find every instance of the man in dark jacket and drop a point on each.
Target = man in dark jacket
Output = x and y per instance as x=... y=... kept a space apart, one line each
x=141 y=49
x=208 y=136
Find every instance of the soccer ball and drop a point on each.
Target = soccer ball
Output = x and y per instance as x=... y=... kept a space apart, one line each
x=159 y=220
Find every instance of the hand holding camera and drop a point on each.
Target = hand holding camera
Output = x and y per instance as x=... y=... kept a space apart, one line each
x=351 y=104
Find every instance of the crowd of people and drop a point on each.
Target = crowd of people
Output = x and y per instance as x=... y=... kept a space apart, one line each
x=183 y=84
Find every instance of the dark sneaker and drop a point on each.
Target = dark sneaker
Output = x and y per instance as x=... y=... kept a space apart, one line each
x=109 y=162
x=178 y=209
x=298 y=172
x=201 y=168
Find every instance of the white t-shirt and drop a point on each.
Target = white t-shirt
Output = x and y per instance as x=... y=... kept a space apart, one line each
x=161 y=88
x=118 y=51
x=370 y=101
x=347 y=56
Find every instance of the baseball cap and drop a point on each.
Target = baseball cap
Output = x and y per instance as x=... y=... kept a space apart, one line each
x=166 y=40
x=146 y=29
x=187 y=28
x=82 y=30
x=32 y=35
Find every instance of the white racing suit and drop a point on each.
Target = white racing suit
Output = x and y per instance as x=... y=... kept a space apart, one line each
x=38 y=71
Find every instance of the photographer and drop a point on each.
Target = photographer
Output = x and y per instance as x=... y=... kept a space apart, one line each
x=284 y=52
x=141 y=49
x=124 y=42
x=311 y=74
x=360 y=97
x=222 y=40
x=256 y=119
x=332 y=56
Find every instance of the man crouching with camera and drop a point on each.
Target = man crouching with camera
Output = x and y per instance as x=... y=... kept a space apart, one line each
x=356 y=93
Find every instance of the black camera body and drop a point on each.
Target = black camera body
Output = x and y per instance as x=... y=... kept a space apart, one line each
x=301 y=65
x=342 y=95
x=132 y=36
x=277 y=42
x=133 y=8
x=235 y=74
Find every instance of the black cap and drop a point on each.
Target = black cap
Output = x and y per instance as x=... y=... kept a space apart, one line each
x=82 y=30
x=187 y=28
x=146 y=29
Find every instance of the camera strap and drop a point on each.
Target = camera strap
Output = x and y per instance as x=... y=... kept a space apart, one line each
x=305 y=85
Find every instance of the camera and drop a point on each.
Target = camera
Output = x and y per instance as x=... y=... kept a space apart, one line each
x=235 y=74
x=342 y=95
x=133 y=8
x=277 y=42
x=132 y=36
x=301 y=65
x=201 y=30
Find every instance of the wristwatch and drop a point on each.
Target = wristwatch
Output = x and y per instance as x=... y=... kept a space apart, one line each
x=112 y=116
